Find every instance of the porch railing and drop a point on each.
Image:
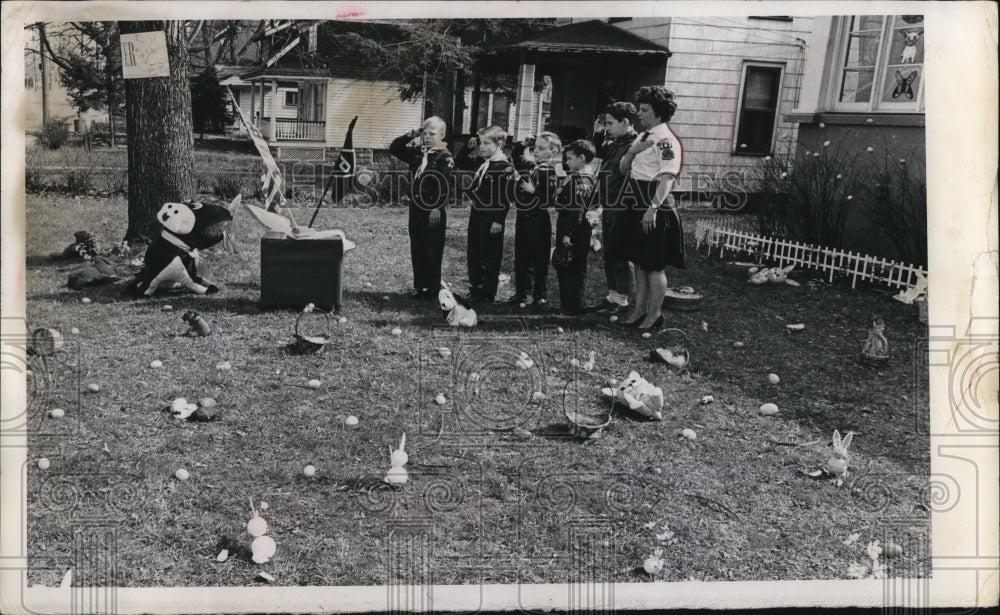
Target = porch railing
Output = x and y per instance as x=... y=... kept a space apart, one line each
x=291 y=129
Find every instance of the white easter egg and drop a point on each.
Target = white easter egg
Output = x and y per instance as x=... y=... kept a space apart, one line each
x=93 y=387
x=441 y=400
x=768 y=409
x=538 y=396
x=612 y=382
x=263 y=548
x=207 y=402
x=178 y=404
x=385 y=297
x=689 y=434
x=57 y=413
x=652 y=565
x=708 y=399
x=224 y=365
x=257 y=526
x=647 y=335
x=351 y=421
x=43 y=463
x=74 y=331
x=614 y=319
x=222 y=556
x=398 y=458
x=397 y=331
x=522 y=305
x=445 y=352
x=167 y=308
x=773 y=378
x=397 y=476
x=342 y=319
x=263 y=506
x=85 y=300
x=314 y=384
x=182 y=474
x=368 y=284
x=559 y=329
x=156 y=364
x=309 y=470
x=737 y=344
x=474 y=376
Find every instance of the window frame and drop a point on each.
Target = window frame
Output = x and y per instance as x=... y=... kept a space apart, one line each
x=875 y=104
x=747 y=65
x=285 y=99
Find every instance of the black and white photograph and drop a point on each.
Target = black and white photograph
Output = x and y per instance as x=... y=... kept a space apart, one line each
x=498 y=306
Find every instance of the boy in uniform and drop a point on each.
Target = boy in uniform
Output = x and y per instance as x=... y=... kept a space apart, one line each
x=533 y=225
x=572 y=199
x=425 y=152
x=491 y=193
x=618 y=136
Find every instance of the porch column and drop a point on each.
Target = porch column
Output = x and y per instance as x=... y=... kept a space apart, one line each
x=253 y=103
x=274 y=111
x=525 y=101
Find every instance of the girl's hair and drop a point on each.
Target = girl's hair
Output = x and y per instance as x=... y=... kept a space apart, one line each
x=659 y=98
x=551 y=138
x=435 y=123
x=582 y=147
x=621 y=111
x=493 y=134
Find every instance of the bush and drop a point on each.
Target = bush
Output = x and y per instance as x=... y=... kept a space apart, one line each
x=118 y=183
x=227 y=186
x=34 y=181
x=80 y=181
x=54 y=134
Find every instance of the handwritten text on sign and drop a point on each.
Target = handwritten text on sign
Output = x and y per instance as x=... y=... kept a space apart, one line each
x=144 y=54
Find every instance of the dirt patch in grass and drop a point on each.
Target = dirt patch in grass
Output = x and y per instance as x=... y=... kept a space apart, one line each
x=732 y=504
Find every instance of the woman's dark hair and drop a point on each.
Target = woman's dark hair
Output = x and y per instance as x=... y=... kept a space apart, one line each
x=659 y=98
x=621 y=111
x=582 y=147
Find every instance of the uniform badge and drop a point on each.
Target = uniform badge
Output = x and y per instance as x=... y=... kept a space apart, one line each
x=666 y=149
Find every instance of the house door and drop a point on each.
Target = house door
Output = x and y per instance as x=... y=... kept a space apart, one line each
x=612 y=86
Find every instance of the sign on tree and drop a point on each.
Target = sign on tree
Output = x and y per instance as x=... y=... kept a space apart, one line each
x=144 y=54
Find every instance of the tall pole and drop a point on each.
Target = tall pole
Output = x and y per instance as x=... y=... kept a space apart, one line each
x=42 y=45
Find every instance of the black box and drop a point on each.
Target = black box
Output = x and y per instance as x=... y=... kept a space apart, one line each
x=296 y=272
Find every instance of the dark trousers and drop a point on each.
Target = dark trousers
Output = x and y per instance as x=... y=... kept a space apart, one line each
x=573 y=275
x=426 y=249
x=617 y=269
x=485 y=253
x=532 y=249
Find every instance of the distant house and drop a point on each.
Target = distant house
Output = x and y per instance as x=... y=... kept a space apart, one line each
x=863 y=90
x=43 y=87
x=734 y=78
x=319 y=86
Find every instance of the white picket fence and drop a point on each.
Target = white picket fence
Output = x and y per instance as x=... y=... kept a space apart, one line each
x=828 y=260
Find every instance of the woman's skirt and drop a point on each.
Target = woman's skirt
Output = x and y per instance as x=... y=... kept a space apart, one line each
x=664 y=244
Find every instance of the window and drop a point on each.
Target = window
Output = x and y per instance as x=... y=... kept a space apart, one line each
x=291 y=98
x=758 y=110
x=881 y=60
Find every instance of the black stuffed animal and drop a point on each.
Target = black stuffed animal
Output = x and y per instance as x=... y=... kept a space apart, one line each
x=172 y=258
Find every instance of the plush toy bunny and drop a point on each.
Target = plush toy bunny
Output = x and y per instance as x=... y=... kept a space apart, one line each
x=773 y=275
x=639 y=395
x=876 y=347
x=457 y=311
x=594 y=220
x=837 y=463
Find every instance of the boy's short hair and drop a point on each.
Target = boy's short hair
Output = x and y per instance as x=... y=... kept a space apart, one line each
x=582 y=147
x=435 y=123
x=659 y=98
x=551 y=138
x=621 y=111
x=493 y=134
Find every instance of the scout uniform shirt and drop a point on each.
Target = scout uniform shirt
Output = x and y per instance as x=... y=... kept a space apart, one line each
x=432 y=192
x=664 y=157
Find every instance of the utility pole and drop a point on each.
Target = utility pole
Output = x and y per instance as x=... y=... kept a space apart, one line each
x=42 y=45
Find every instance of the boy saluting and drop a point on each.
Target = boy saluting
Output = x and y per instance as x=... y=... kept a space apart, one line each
x=427 y=155
x=491 y=192
x=533 y=225
x=572 y=199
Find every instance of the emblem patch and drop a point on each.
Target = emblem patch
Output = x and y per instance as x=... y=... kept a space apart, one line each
x=666 y=149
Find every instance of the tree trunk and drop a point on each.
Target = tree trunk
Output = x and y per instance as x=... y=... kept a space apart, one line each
x=160 y=134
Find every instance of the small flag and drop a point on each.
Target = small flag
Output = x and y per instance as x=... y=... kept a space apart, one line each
x=273 y=182
x=342 y=173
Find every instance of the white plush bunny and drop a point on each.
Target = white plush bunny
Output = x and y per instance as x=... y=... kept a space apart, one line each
x=594 y=219
x=773 y=275
x=458 y=312
x=839 y=457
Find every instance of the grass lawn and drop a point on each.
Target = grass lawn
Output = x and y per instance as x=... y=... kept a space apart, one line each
x=480 y=504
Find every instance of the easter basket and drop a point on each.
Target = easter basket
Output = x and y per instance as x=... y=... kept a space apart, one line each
x=587 y=425
x=683 y=299
x=312 y=331
x=674 y=355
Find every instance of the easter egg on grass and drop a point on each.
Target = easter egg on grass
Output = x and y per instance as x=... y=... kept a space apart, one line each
x=263 y=549
x=257 y=526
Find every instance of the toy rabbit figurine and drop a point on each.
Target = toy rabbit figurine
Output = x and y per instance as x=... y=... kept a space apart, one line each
x=837 y=462
x=876 y=347
x=457 y=311
x=594 y=220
